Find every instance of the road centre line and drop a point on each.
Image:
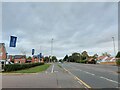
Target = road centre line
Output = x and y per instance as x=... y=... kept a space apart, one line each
x=52 y=69
x=89 y=73
x=77 y=78
x=109 y=80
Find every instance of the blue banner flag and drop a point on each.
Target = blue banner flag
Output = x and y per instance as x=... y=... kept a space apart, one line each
x=33 y=50
x=40 y=55
x=13 y=40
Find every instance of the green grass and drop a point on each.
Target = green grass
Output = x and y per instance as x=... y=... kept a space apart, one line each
x=33 y=69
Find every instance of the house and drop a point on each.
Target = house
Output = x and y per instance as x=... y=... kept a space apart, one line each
x=11 y=58
x=35 y=59
x=3 y=53
x=20 y=59
x=110 y=59
x=101 y=59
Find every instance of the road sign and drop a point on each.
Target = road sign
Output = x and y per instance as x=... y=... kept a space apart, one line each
x=13 y=40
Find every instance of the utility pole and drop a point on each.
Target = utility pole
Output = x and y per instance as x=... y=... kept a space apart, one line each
x=114 y=46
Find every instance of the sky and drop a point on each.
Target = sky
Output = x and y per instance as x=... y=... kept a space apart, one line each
x=74 y=27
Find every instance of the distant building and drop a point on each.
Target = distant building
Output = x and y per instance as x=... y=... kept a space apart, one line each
x=3 y=53
x=35 y=59
x=20 y=59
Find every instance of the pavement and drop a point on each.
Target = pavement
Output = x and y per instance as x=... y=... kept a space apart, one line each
x=53 y=77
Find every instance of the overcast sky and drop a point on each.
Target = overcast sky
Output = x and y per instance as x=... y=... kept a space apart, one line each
x=74 y=27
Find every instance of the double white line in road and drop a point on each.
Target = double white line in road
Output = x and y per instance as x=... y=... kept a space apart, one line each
x=80 y=81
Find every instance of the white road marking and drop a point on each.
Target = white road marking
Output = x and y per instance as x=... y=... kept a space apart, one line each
x=52 y=69
x=109 y=79
x=89 y=73
x=55 y=71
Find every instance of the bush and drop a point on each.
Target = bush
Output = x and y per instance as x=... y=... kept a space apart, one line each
x=118 y=62
x=15 y=67
x=81 y=61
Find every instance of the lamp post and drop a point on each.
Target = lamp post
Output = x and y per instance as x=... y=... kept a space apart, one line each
x=114 y=46
x=51 y=48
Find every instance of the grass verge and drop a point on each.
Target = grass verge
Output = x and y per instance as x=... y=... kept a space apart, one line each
x=33 y=69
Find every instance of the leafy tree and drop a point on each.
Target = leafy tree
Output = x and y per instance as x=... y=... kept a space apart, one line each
x=84 y=55
x=46 y=59
x=54 y=58
x=76 y=57
x=95 y=56
x=106 y=54
x=29 y=58
x=70 y=59
x=65 y=58
x=118 y=55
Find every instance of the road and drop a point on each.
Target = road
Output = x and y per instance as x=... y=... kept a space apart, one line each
x=70 y=75
x=94 y=75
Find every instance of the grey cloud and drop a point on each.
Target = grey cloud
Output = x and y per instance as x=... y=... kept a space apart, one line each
x=74 y=26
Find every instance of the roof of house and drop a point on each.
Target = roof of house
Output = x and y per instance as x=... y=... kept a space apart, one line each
x=109 y=58
x=19 y=56
x=101 y=57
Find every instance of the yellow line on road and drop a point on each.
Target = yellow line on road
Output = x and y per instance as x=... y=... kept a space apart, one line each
x=78 y=79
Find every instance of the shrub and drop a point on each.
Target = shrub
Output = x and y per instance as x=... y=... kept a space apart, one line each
x=14 y=67
x=118 y=62
x=81 y=61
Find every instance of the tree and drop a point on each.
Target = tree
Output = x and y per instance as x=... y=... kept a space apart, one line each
x=70 y=59
x=29 y=58
x=46 y=59
x=84 y=55
x=118 y=55
x=54 y=58
x=95 y=56
x=76 y=57
x=65 y=58
x=106 y=54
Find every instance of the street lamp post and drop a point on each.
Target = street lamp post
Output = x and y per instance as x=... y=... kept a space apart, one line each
x=51 y=47
x=114 y=46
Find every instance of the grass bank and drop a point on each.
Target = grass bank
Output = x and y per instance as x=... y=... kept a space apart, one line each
x=33 y=69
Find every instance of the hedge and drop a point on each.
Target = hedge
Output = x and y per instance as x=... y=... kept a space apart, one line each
x=15 y=67
x=118 y=62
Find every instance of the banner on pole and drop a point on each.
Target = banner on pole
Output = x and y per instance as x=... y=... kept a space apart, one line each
x=13 y=40
x=33 y=50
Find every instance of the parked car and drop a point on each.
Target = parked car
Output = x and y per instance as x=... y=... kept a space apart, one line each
x=3 y=63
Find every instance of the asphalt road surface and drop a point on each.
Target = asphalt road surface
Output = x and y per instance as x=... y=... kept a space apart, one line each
x=94 y=75
x=53 y=77
x=70 y=75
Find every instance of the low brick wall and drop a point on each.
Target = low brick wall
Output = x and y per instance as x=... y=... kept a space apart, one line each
x=108 y=63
